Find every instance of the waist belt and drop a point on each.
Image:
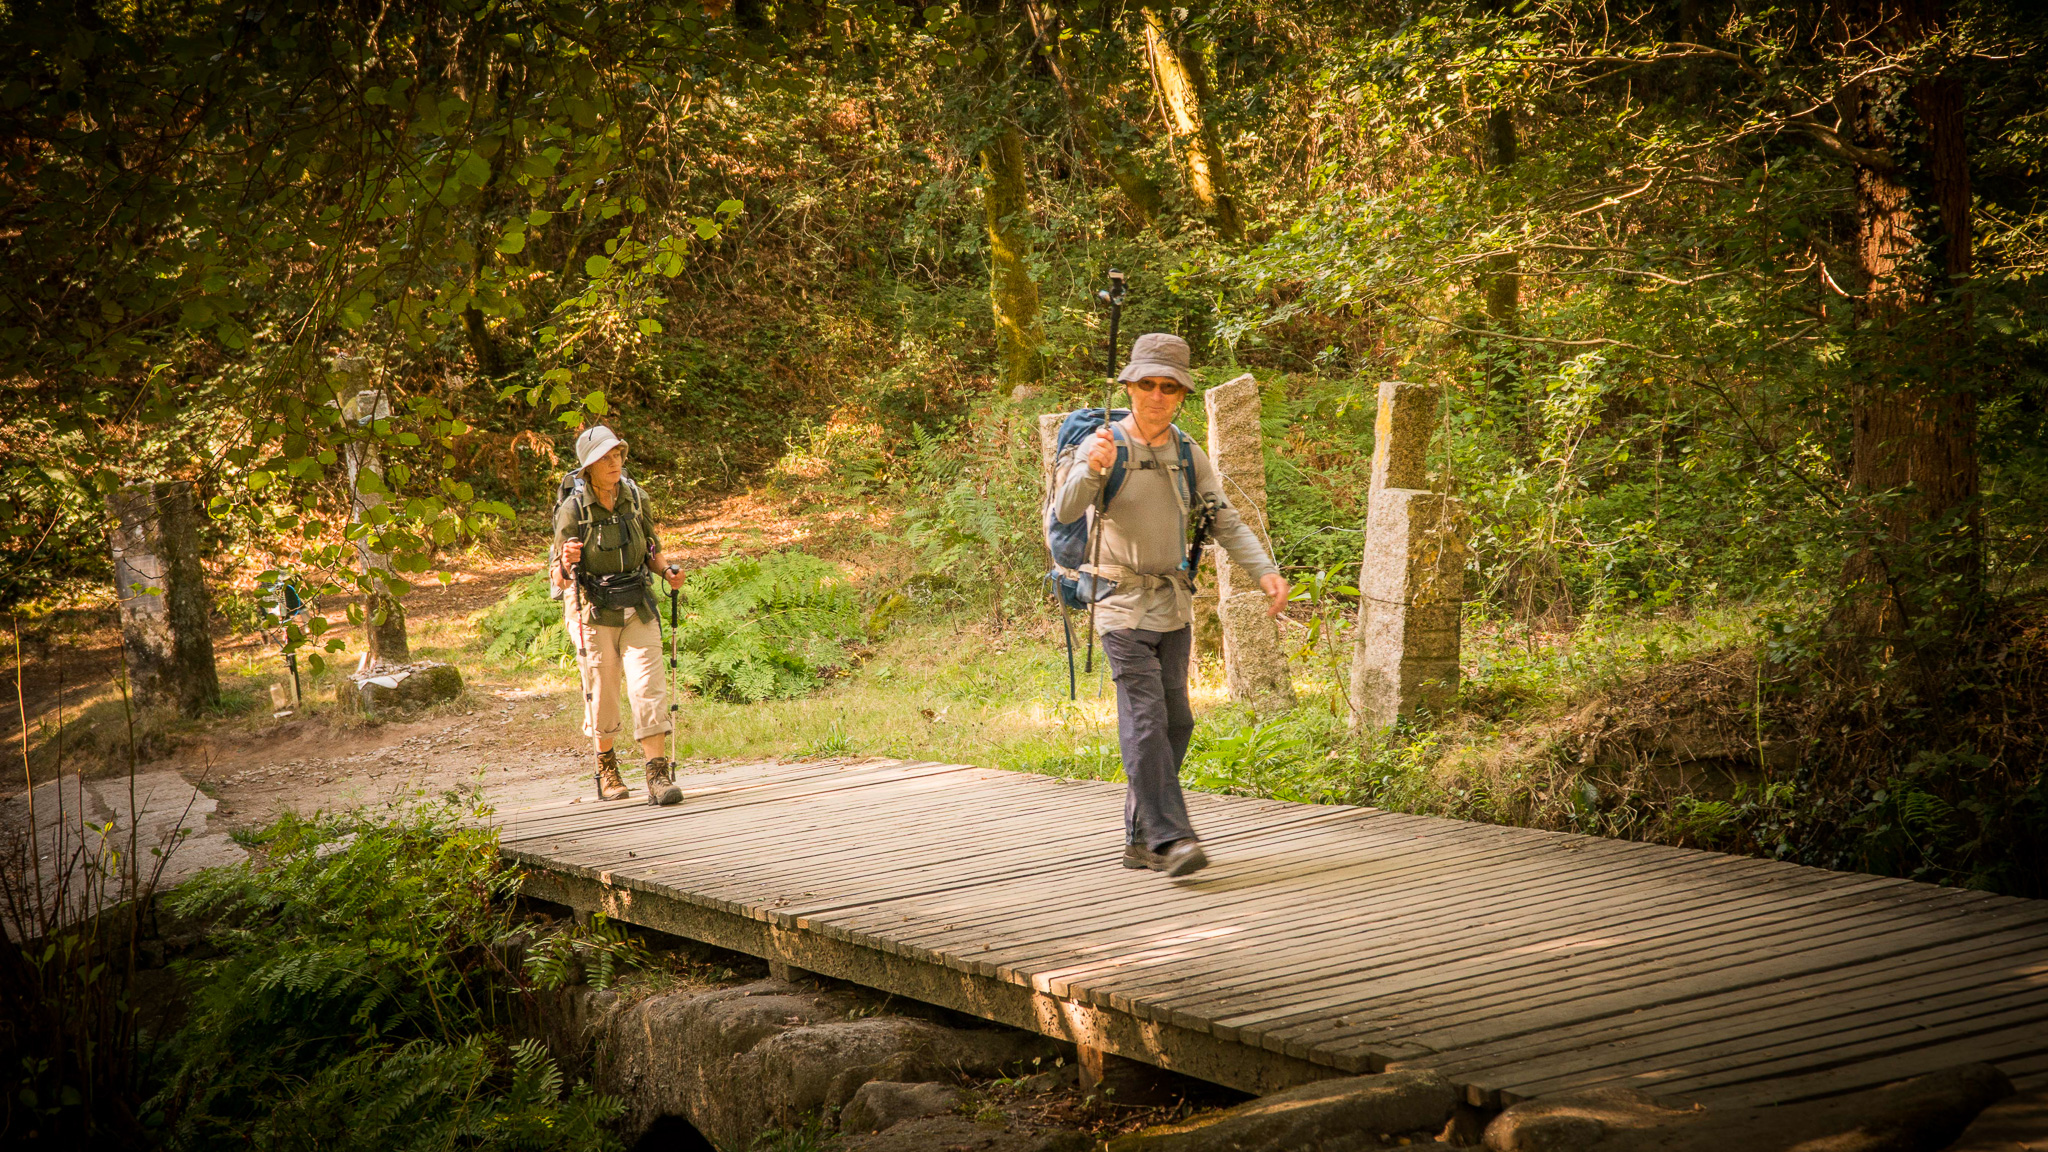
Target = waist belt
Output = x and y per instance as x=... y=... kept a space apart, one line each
x=1122 y=576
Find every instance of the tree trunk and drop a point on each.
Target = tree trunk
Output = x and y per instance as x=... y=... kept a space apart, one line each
x=160 y=591
x=1178 y=78
x=1091 y=125
x=1502 y=284
x=1013 y=296
x=1913 y=469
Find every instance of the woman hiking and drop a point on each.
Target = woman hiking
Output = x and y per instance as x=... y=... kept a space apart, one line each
x=607 y=556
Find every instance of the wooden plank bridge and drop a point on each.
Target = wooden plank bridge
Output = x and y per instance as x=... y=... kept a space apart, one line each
x=1323 y=940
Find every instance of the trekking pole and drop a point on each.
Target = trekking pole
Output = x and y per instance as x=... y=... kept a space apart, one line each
x=672 y=706
x=1114 y=297
x=582 y=656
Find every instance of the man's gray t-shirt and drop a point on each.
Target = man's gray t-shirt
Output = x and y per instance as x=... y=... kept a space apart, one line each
x=1145 y=532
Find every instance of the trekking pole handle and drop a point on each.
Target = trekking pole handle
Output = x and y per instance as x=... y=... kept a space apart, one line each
x=1114 y=297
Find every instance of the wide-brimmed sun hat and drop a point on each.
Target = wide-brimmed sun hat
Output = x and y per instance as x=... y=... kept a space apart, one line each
x=593 y=443
x=1158 y=354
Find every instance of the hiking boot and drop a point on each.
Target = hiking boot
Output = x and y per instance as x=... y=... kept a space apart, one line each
x=1184 y=856
x=1137 y=857
x=609 y=786
x=661 y=783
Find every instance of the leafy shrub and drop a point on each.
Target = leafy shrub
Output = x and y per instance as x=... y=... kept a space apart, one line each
x=1284 y=758
x=526 y=626
x=346 y=999
x=765 y=628
x=751 y=628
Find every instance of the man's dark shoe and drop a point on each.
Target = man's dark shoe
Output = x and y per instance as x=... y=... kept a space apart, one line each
x=1183 y=857
x=661 y=783
x=1138 y=857
x=609 y=786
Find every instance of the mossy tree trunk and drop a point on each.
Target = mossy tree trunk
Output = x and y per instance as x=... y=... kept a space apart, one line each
x=1177 y=76
x=1012 y=294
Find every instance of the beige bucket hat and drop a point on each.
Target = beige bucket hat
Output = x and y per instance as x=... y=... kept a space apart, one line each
x=593 y=443
x=1158 y=354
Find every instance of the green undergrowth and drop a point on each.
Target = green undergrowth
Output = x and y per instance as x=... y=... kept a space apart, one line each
x=944 y=686
x=748 y=628
x=350 y=995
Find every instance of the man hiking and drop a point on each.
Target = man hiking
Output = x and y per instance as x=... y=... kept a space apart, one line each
x=606 y=556
x=1146 y=620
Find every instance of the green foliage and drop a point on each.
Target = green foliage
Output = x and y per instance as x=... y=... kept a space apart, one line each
x=345 y=1000
x=592 y=953
x=972 y=513
x=526 y=626
x=750 y=627
x=1255 y=760
x=768 y=627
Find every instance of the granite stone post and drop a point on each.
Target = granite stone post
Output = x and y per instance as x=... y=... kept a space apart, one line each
x=1412 y=581
x=383 y=616
x=1254 y=668
x=160 y=590
x=1049 y=443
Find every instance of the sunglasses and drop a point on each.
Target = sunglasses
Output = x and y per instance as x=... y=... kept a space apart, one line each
x=1169 y=387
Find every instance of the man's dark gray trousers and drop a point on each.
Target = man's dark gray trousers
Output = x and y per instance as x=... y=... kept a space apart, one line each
x=1154 y=723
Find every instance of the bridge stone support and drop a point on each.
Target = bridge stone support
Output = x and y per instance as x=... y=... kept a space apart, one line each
x=1254 y=667
x=160 y=590
x=1412 y=580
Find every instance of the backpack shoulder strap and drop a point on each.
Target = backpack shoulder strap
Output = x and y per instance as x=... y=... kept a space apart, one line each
x=1120 y=469
x=1187 y=466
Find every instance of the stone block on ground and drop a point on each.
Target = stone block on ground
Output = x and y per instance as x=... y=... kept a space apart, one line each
x=389 y=690
x=878 y=1104
x=1411 y=579
x=1576 y=1120
x=1328 y=1116
x=1048 y=443
x=1411 y=594
x=1924 y=1114
x=2015 y=1124
x=740 y=1060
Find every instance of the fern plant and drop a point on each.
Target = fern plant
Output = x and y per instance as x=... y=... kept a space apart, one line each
x=750 y=627
x=767 y=627
x=526 y=626
x=345 y=999
x=595 y=952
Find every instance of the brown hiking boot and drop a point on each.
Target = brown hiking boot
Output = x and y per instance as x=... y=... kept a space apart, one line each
x=609 y=786
x=661 y=783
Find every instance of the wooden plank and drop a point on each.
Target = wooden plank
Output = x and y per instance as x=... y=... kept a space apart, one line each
x=1398 y=933
x=1446 y=902
x=1682 y=926
x=625 y=816
x=1931 y=972
x=1706 y=972
x=1742 y=1040
x=1482 y=963
x=2025 y=1040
